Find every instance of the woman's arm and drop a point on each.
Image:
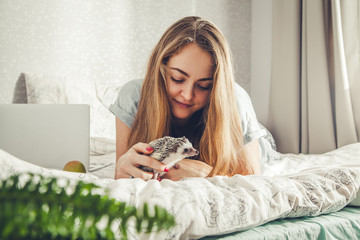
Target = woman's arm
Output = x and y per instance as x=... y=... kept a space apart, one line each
x=188 y=168
x=252 y=153
x=122 y=137
x=194 y=168
x=128 y=159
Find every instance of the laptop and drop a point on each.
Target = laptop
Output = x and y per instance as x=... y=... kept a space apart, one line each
x=48 y=135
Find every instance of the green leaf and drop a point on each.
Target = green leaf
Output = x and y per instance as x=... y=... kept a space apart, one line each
x=40 y=208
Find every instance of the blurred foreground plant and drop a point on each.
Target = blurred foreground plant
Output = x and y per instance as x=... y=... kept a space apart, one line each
x=37 y=207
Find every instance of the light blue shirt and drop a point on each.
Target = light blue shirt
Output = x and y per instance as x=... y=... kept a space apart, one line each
x=126 y=106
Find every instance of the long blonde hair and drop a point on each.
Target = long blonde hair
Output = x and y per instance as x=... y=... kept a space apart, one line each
x=221 y=139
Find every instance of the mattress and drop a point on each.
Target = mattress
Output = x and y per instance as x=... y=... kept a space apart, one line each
x=344 y=224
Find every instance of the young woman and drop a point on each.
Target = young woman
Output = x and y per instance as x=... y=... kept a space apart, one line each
x=189 y=90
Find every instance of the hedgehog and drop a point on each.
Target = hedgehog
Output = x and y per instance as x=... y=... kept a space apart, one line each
x=170 y=150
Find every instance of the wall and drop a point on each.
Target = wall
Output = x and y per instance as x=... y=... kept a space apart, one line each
x=261 y=42
x=105 y=40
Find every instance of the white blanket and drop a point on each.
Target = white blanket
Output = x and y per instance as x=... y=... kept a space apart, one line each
x=293 y=186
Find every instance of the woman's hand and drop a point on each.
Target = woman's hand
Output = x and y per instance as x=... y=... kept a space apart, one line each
x=188 y=168
x=128 y=164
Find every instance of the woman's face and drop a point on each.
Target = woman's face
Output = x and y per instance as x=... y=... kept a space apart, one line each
x=189 y=80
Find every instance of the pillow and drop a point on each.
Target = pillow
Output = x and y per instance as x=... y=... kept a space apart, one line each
x=45 y=89
x=52 y=89
x=19 y=95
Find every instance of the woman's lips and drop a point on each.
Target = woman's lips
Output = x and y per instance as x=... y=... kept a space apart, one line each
x=182 y=105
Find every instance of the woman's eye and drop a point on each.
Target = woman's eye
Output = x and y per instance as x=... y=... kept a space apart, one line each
x=204 y=87
x=177 y=80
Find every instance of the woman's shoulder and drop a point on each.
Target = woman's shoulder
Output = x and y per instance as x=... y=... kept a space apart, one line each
x=130 y=91
x=242 y=98
x=126 y=104
x=132 y=86
x=240 y=91
x=247 y=113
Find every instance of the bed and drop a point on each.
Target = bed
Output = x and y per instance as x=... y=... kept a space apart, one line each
x=298 y=197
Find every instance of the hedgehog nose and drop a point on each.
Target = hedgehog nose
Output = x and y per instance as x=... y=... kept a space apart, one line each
x=196 y=152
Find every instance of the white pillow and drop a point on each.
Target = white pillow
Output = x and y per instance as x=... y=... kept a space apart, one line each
x=46 y=89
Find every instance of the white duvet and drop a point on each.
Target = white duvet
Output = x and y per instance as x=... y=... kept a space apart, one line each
x=293 y=186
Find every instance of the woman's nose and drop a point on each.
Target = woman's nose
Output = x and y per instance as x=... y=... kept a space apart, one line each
x=187 y=92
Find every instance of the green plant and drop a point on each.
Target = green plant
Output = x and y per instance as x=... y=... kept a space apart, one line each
x=37 y=207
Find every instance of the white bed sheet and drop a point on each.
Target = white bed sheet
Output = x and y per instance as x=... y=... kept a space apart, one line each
x=293 y=186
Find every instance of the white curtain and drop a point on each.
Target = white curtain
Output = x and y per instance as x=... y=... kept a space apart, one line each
x=315 y=80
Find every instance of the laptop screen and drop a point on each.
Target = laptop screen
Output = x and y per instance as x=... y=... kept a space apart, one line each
x=48 y=135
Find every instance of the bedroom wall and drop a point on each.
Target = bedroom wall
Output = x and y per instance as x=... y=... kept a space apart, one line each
x=105 y=41
x=260 y=70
